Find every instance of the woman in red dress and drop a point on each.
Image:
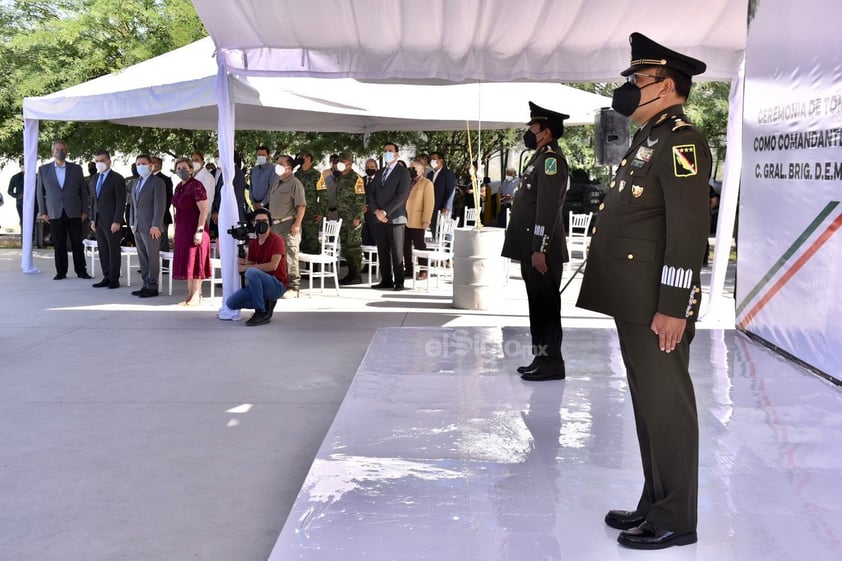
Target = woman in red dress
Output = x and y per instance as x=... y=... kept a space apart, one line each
x=191 y=243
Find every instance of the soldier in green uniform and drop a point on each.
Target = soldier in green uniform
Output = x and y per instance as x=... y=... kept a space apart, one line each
x=350 y=203
x=309 y=177
x=643 y=269
x=535 y=237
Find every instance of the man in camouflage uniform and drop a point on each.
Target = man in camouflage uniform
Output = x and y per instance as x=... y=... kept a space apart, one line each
x=350 y=204
x=644 y=270
x=309 y=177
x=535 y=237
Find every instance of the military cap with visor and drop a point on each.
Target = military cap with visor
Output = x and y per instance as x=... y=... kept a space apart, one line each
x=538 y=114
x=646 y=53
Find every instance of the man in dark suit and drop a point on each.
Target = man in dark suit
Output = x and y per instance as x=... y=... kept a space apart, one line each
x=149 y=195
x=444 y=187
x=63 y=202
x=108 y=209
x=157 y=171
x=644 y=270
x=535 y=237
x=370 y=220
x=387 y=200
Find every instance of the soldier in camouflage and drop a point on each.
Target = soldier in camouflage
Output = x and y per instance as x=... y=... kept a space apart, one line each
x=350 y=204
x=309 y=177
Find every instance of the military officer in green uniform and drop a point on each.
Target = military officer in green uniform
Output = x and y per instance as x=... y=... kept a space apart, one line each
x=350 y=204
x=643 y=269
x=309 y=177
x=535 y=237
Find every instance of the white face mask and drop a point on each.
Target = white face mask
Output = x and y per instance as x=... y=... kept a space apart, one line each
x=261 y=160
x=197 y=166
x=143 y=170
x=340 y=167
x=388 y=157
x=280 y=170
x=434 y=164
x=101 y=166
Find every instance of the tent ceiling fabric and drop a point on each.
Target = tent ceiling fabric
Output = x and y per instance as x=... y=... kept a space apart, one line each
x=465 y=40
x=143 y=95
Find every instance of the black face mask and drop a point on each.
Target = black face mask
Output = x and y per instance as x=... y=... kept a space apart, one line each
x=261 y=227
x=370 y=172
x=626 y=99
x=336 y=173
x=529 y=140
x=413 y=173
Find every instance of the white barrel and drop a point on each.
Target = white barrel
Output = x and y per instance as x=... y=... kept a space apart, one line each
x=479 y=271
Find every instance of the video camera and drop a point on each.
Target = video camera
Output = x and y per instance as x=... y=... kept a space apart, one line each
x=242 y=232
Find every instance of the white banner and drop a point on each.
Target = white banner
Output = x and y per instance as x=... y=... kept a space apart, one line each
x=789 y=271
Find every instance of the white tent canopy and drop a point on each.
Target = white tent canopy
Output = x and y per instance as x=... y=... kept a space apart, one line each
x=456 y=41
x=144 y=95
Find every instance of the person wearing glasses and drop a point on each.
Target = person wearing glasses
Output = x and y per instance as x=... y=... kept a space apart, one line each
x=644 y=270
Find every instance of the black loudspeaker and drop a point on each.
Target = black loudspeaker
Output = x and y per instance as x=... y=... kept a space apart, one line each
x=611 y=137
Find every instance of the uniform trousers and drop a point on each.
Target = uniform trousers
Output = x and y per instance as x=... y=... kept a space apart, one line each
x=108 y=246
x=293 y=245
x=542 y=291
x=389 y=239
x=60 y=228
x=667 y=425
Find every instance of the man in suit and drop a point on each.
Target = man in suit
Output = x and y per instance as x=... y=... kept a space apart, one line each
x=444 y=187
x=149 y=197
x=387 y=200
x=157 y=171
x=535 y=237
x=63 y=202
x=109 y=206
x=644 y=270
x=370 y=220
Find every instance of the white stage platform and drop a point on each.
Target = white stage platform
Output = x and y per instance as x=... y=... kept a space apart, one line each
x=439 y=451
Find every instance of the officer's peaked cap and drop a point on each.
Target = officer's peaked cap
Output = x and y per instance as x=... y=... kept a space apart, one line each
x=647 y=53
x=538 y=114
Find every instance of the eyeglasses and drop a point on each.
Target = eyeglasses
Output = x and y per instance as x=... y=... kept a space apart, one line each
x=632 y=78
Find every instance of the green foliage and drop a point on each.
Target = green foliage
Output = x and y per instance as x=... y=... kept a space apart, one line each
x=49 y=46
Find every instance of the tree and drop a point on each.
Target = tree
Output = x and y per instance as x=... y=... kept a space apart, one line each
x=49 y=46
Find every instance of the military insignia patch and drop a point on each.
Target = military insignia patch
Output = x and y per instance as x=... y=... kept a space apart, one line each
x=320 y=184
x=551 y=166
x=637 y=191
x=638 y=163
x=622 y=185
x=684 y=160
x=359 y=187
x=644 y=153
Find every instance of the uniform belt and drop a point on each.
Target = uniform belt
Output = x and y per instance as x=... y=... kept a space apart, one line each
x=282 y=220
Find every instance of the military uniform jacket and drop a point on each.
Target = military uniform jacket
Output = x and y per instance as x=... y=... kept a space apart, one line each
x=350 y=197
x=647 y=246
x=309 y=179
x=535 y=222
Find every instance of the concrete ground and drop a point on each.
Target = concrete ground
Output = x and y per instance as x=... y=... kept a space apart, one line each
x=137 y=430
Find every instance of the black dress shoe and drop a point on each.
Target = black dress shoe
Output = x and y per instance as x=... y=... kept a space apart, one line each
x=383 y=285
x=59 y=277
x=527 y=368
x=114 y=284
x=270 y=307
x=101 y=284
x=84 y=276
x=398 y=288
x=259 y=318
x=624 y=519
x=148 y=293
x=649 y=536
x=351 y=280
x=138 y=292
x=544 y=371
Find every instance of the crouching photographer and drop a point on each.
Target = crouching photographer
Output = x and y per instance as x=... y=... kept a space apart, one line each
x=264 y=268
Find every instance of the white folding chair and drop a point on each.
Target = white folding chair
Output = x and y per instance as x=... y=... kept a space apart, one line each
x=326 y=263
x=370 y=260
x=578 y=234
x=470 y=217
x=438 y=259
x=128 y=252
x=214 y=279
x=168 y=255
x=91 y=250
